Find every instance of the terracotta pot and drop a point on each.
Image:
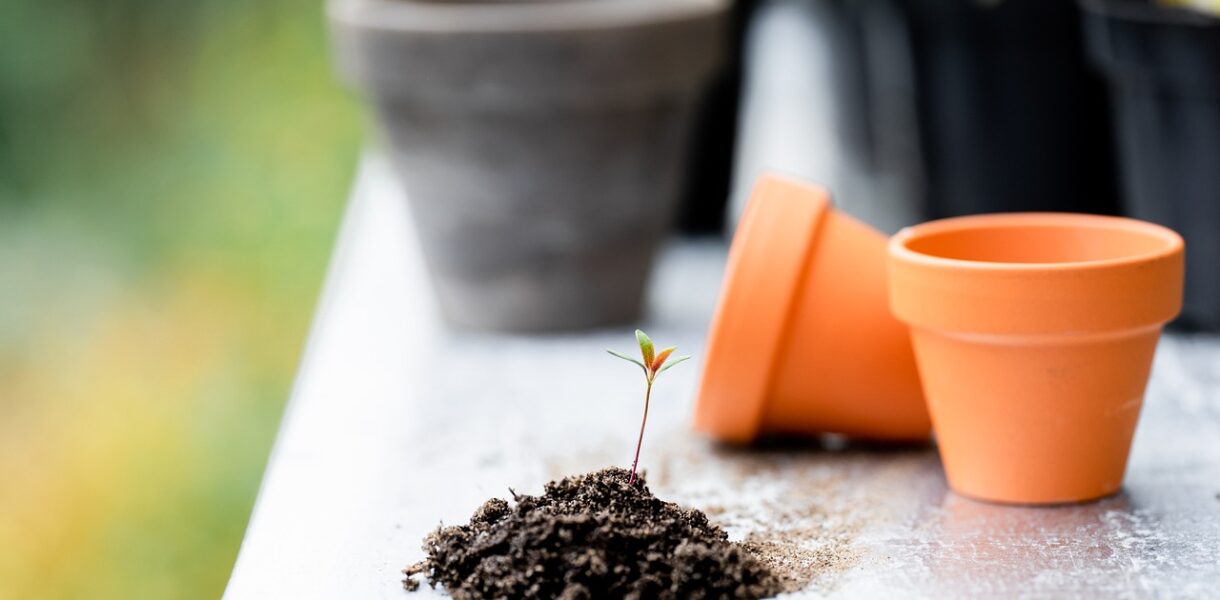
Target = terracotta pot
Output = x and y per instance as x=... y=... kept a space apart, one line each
x=1034 y=334
x=802 y=340
x=542 y=144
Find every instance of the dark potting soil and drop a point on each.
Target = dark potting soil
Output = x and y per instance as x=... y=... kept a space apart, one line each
x=590 y=536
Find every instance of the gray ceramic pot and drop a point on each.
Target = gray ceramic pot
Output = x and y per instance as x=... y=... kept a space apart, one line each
x=541 y=143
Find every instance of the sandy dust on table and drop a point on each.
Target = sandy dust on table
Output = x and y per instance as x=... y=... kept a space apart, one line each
x=799 y=508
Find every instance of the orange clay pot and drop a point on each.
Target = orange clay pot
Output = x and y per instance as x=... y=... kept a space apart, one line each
x=802 y=340
x=1034 y=334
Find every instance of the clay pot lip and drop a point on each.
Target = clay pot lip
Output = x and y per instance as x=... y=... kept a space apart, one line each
x=522 y=16
x=900 y=242
x=753 y=251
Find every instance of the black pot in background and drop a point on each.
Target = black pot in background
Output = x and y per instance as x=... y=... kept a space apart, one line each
x=709 y=176
x=1010 y=116
x=876 y=125
x=1164 y=68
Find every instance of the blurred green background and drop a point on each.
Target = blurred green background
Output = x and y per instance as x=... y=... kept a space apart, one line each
x=172 y=174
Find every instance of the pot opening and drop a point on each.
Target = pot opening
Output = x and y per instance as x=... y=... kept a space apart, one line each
x=1053 y=239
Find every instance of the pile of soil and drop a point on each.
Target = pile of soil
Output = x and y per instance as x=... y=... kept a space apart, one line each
x=590 y=536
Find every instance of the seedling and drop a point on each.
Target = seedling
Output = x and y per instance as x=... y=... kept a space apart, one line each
x=654 y=364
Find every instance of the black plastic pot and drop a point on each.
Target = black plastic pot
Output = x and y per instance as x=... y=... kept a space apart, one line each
x=875 y=122
x=713 y=140
x=1164 y=69
x=1010 y=115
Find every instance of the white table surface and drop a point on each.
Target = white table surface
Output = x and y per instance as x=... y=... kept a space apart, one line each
x=396 y=424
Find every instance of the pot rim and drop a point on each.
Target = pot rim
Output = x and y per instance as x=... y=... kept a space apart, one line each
x=439 y=17
x=900 y=243
x=773 y=243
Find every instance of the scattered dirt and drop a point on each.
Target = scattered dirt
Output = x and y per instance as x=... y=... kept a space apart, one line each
x=791 y=559
x=803 y=529
x=595 y=536
x=800 y=506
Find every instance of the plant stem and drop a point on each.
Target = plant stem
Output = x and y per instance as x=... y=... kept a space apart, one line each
x=640 y=442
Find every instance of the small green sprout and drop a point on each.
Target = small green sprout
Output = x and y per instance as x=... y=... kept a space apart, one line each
x=654 y=364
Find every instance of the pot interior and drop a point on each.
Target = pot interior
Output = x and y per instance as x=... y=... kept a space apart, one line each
x=1044 y=243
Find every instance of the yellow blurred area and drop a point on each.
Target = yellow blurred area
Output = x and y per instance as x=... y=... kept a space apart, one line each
x=1207 y=6
x=171 y=178
x=111 y=441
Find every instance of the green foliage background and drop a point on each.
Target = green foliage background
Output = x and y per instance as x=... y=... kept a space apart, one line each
x=171 y=178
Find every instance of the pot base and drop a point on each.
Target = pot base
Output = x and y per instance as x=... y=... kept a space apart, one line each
x=983 y=499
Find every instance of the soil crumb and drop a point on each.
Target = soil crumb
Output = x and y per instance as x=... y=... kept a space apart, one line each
x=591 y=536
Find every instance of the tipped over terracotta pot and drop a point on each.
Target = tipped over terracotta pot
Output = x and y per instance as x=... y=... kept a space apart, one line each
x=802 y=341
x=1034 y=335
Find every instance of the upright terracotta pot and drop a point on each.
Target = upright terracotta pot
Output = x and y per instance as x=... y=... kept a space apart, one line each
x=1034 y=335
x=802 y=340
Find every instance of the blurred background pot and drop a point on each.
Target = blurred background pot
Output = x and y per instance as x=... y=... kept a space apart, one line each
x=1164 y=67
x=1010 y=116
x=713 y=140
x=911 y=109
x=542 y=144
x=876 y=122
x=829 y=98
x=802 y=341
x=1034 y=334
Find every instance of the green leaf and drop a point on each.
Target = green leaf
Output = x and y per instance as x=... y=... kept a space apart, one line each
x=673 y=362
x=625 y=357
x=646 y=347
